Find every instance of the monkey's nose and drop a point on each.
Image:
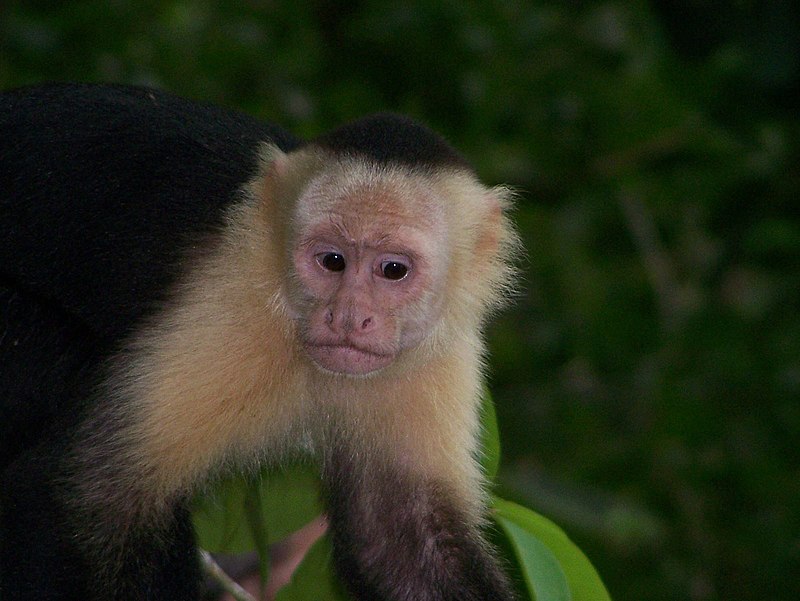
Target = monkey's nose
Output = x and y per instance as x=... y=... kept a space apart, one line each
x=349 y=322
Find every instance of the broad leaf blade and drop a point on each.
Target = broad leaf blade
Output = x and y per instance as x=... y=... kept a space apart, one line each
x=525 y=529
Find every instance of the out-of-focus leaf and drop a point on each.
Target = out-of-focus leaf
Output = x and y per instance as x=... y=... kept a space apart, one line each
x=490 y=437
x=315 y=577
x=257 y=526
x=544 y=578
x=240 y=516
x=528 y=532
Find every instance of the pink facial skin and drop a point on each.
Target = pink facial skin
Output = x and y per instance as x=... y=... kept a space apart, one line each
x=363 y=295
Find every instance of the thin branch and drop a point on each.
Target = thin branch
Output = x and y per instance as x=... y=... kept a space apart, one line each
x=212 y=568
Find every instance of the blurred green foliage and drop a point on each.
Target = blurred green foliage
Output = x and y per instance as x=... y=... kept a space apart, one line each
x=648 y=379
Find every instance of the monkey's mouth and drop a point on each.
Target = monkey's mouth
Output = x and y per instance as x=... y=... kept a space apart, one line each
x=347 y=358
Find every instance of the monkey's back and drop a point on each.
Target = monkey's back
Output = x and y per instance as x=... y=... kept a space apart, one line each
x=103 y=187
x=104 y=192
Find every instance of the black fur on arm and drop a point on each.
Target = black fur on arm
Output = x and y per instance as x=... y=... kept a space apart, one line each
x=399 y=538
x=53 y=549
x=105 y=191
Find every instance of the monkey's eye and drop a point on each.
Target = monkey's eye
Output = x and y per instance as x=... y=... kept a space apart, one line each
x=331 y=261
x=394 y=270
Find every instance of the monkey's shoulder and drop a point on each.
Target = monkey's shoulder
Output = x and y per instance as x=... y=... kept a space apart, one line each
x=106 y=188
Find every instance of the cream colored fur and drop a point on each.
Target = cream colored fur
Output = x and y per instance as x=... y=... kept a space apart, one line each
x=218 y=378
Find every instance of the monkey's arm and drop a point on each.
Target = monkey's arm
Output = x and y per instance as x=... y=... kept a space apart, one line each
x=404 y=491
x=47 y=365
x=399 y=537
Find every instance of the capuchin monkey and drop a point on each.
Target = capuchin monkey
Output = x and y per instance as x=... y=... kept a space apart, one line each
x=185 y=291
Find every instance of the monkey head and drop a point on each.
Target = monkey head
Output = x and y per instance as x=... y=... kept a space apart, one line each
x=369 y=266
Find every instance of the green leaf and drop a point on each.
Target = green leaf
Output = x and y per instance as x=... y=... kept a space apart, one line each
x=490 y=437
x=540 y=570
x=528 y=532
x=220 y=519
x=241 y=515
x=315 y=577
x=257 y=525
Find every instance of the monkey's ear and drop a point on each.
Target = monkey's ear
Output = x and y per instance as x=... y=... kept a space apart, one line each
x=270 y=185
x=274 y=161
x=495 y=228
x=497 y=247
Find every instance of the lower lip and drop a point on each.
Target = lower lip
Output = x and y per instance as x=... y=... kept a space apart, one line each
x=347 y=359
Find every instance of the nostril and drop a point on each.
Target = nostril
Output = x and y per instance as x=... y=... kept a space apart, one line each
x=329 y=316
x=366 y=323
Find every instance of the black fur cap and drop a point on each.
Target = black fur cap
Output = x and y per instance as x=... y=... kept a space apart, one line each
x=388 y=138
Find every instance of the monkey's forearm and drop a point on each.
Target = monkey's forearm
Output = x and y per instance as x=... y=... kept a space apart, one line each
x=397 y=539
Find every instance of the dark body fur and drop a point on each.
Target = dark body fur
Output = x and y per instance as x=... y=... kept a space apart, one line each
x=102 y=192
x=108 y=194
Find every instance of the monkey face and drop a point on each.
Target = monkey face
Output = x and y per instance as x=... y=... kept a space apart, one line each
x=366 y=299
x=368 y=278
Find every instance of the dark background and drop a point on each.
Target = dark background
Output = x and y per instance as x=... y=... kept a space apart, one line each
x=648 y=378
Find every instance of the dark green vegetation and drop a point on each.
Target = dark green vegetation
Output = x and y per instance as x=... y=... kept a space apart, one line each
x=648 y=380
